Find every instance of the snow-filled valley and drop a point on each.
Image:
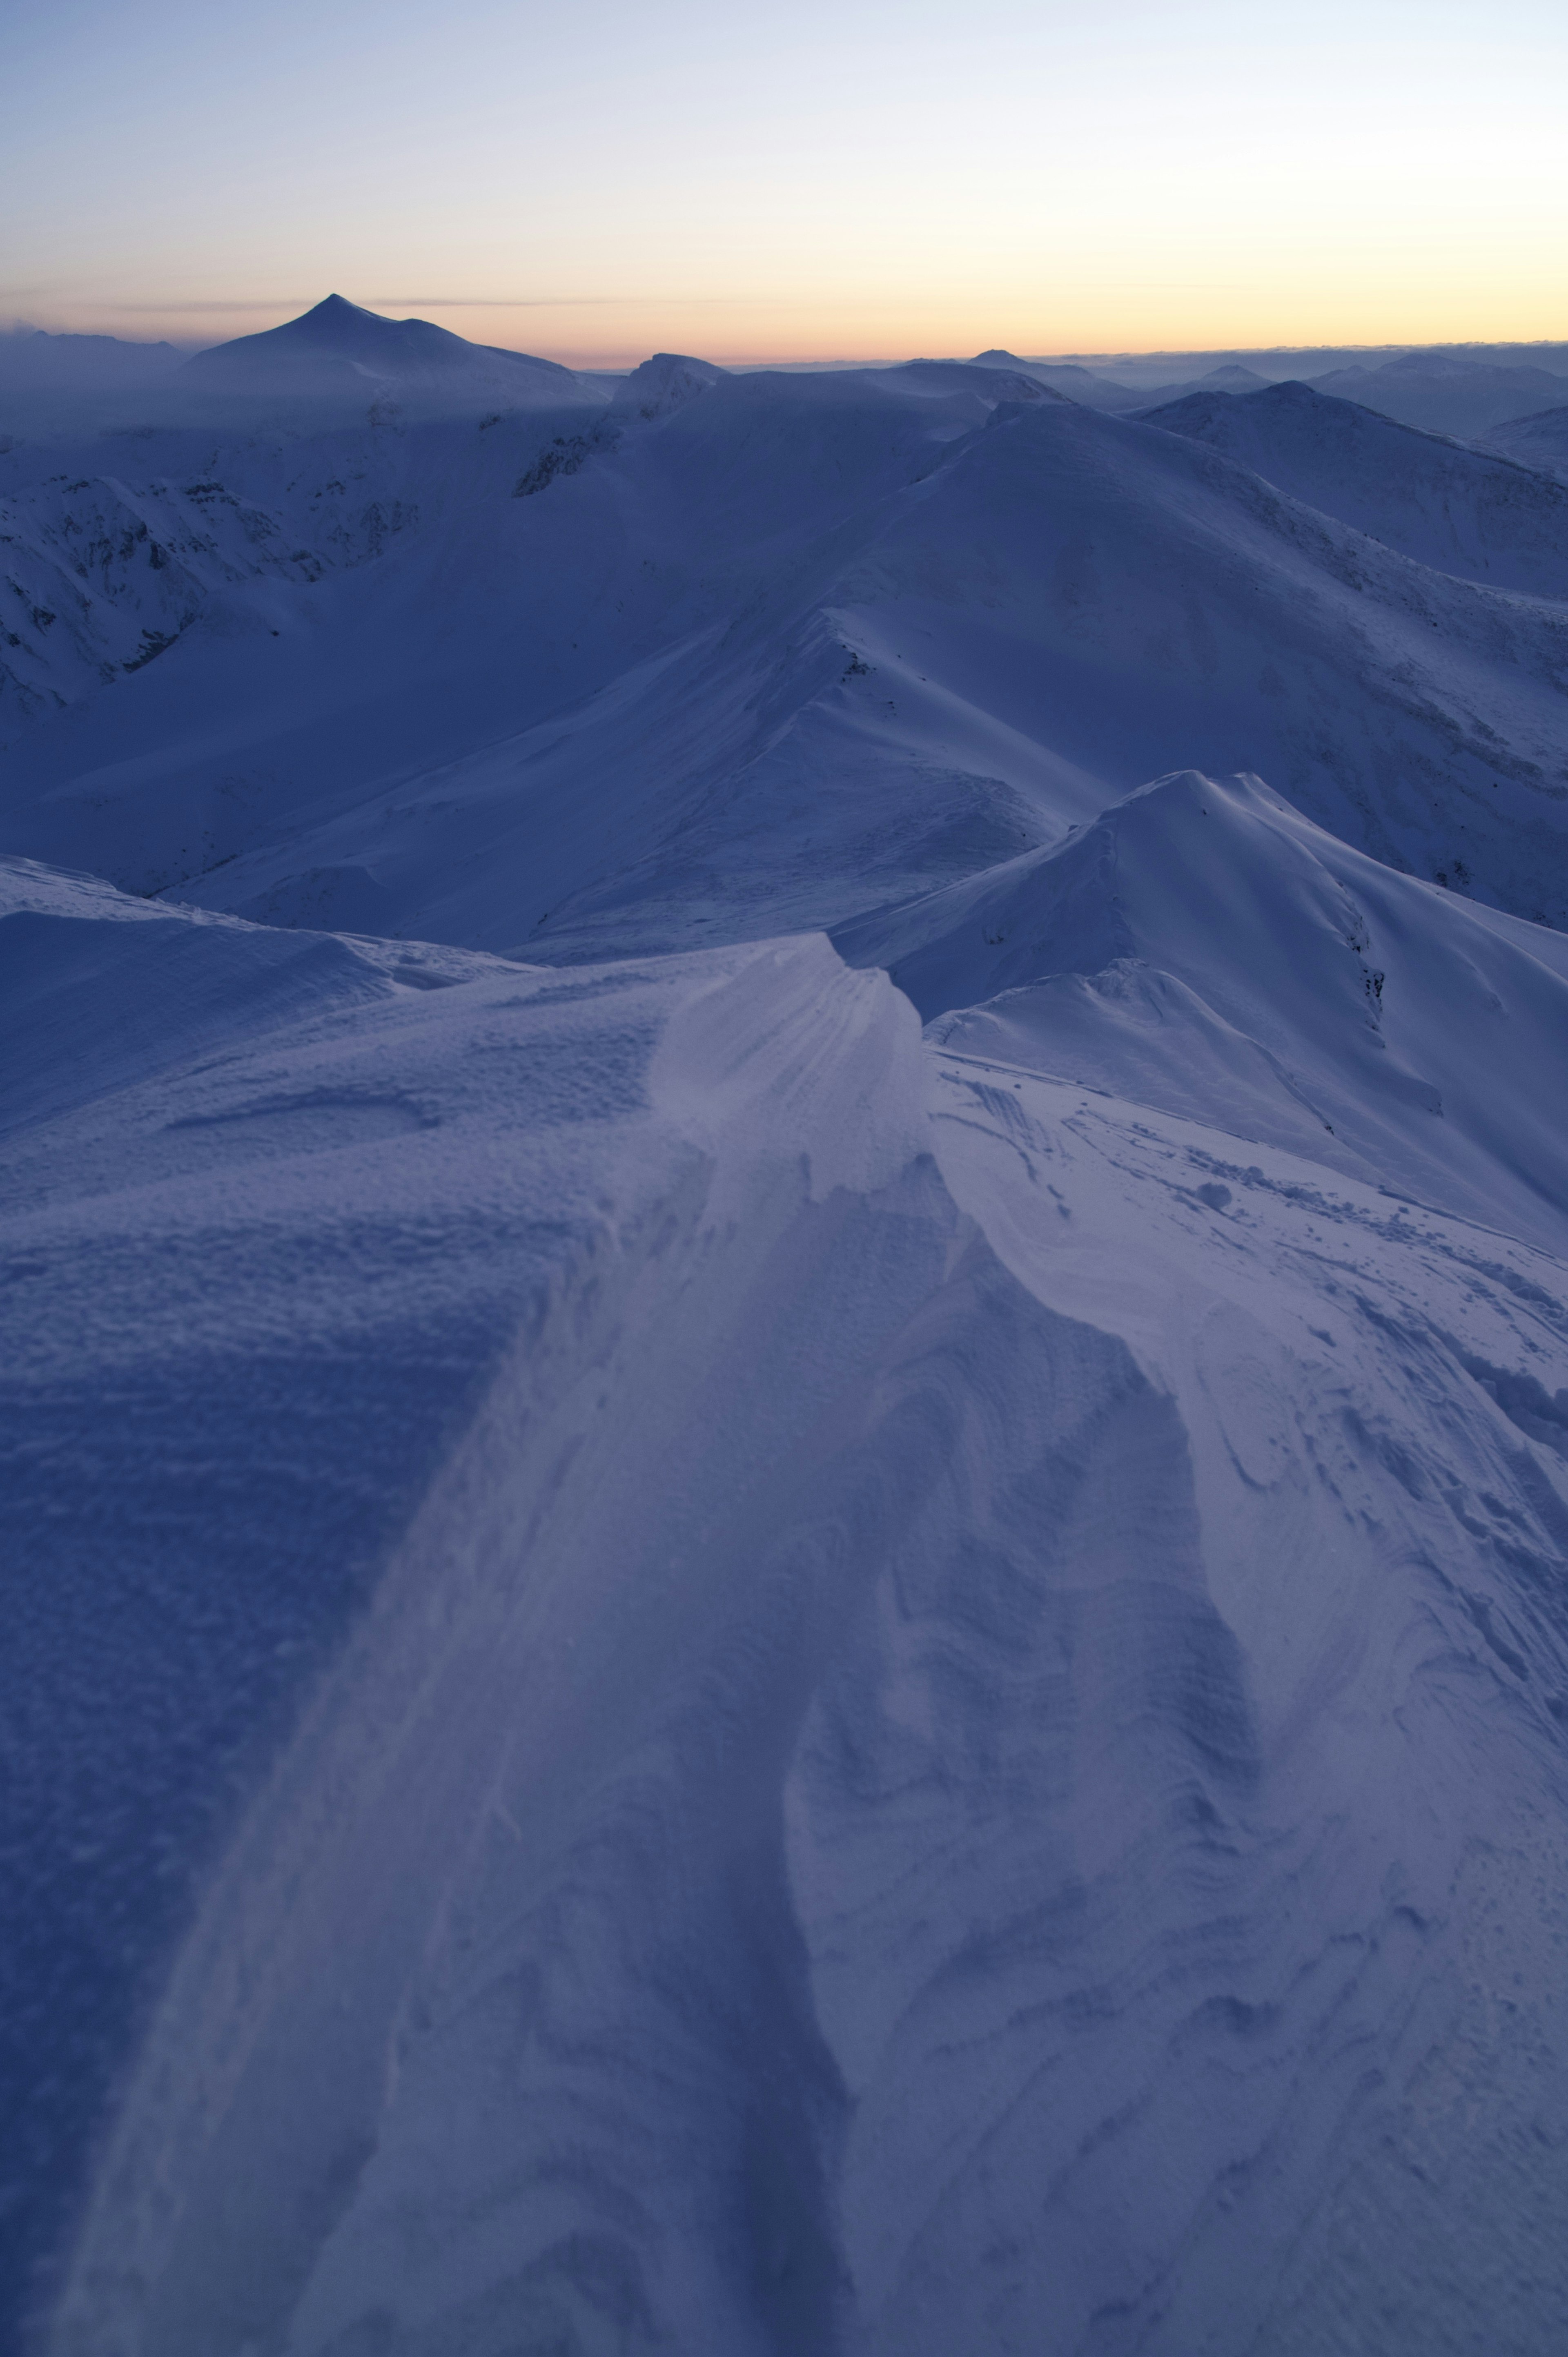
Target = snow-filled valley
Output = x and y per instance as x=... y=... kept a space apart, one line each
x=786 y=1435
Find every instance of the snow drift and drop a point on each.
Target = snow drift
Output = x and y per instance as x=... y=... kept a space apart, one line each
x=937 y=1663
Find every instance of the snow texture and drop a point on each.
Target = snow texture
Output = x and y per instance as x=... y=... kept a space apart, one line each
x=690 y=1668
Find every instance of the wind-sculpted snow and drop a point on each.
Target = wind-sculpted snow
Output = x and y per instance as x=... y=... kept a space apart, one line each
x=695 y=1676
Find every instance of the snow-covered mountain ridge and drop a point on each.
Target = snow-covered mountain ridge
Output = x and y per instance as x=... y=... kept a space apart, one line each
x=980 y=619
x=870 y=1651
x=724 y=1642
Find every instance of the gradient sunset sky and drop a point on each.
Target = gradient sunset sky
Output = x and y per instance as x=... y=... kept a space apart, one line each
x=809 y=181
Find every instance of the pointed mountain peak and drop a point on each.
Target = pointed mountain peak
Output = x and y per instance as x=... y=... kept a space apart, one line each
x=338 y=306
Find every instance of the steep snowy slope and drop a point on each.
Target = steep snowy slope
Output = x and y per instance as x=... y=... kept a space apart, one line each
x=798 y=647
x=1205 y=949
x=1540 y=441
x=696 y=1677
x=1448 y=507
x=1107 y=588
x=102 y=576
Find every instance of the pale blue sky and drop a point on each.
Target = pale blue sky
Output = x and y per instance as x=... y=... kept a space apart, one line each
x=826 y=180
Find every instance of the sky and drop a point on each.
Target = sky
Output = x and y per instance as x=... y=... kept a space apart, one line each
x=854 y=181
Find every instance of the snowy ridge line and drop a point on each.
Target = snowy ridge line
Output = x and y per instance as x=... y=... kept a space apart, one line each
x=607 y=720
x=1204 y=948
x=591 y=1320
x=884 y=1560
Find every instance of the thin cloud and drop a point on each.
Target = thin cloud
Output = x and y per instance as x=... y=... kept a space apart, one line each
x=508 y=302
x=558 y=302
x=238 y=303
x=424 y=302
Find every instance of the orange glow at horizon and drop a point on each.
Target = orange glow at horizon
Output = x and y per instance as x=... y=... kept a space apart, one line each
x=837 y=183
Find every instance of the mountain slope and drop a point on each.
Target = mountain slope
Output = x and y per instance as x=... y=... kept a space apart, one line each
x=102 y=576
x=1540 y=441
x=756 y=1687
x=805 y=645
x=1457 y=510
x=1203 y=949
x=339 y=352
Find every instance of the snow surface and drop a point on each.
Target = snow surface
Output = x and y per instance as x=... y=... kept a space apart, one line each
x=693 y=1668
x=1540 y=441
x=1460 y=511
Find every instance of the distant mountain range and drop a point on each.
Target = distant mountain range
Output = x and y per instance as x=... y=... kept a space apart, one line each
x=32 y=359
x=1443 y=396
x=1436 y=391
x=340 y=355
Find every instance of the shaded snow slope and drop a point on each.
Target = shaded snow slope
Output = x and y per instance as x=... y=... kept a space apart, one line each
x=754 y=1686
x=657 y=583
x=1457 y=510
x=1539 y=441
x=104 y=576
x=1203 y=949
x=799 y=647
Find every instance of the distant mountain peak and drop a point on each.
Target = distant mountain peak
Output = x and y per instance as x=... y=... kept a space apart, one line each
x=665 y=382
x=336 y=311
x=338 y=349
